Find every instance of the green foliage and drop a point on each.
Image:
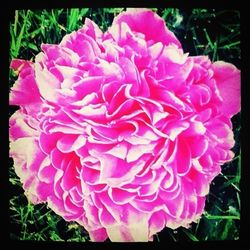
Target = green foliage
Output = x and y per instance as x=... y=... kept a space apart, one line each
x=202 y=32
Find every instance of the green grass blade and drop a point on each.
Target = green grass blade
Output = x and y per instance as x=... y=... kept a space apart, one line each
x=189 y=234
x=16 y=22
x=211 y=45
x=72 y=19
x=20 y=36
x=222 y=217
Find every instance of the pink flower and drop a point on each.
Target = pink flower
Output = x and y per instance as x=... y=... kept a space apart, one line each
x=122 y=131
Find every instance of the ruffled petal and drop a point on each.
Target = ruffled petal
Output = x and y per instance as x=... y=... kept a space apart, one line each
x=19 y=126
x=148 y=23
x=27 y=160
x=24 y=91
x=227 y=78
x=134 y=230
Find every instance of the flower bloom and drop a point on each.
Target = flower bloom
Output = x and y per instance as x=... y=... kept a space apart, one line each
x=122 y=131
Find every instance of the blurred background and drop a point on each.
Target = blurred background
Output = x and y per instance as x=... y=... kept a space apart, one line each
x=212 y=32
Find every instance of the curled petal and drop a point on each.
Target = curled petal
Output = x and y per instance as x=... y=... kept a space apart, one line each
x=148 y=23
x=48 y=142
x=121 y=196
x=157 y=222
x=116 y=172
x=24 y=91
x=20 y=127
x=227 y=78
x=198 y=145
x=69 y=143
x=46 y=81
x=46 y=172
x=182 y=157
x=98 y=235
x=134 y=230
x=70 y=177
x=136 y=151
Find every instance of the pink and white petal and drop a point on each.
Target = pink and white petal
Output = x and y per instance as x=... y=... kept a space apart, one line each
x=106 y=218
x=119 y=151
x=70 y=178
x=227 y=78
x=32 y=192
x=221 y=133
x=147 y=206
x=174 y=54
x=44 y=190
x=57 y=189
x=175 y=206
x=168 y=98
x=19 y=64
x=137 y=232
x=136 y=151
x=200 y=182
x=198 y=145
x=57 y=205
x=91 y=213
x=91 y=29
x=157 y=222
x=46 y=171
x=156 y=50
x=153 y=188
x=175 y=128
x=117 y=211
x=27 y=160
x=89 y=175
x=119 y=233
x=121 y=196
x=46 y=81
x=119 y=97
x=69 y=143
x=27 y=156
x=195 y=128
x=57 y=55
x=182 y=158
x=19 y=126
x=76 y=195
x=200 y=205
x=116 y=172
x=25 y=90
x=47 y=142
x=98 y=235
x=60 y=160
x=135 y=229
x=130 y=71
x=70 y=206
x=88 y=85
x=148 y=23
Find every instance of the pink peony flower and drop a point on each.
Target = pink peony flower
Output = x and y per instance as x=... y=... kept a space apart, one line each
x=122 y=131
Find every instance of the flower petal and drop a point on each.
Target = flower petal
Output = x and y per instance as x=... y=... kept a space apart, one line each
x=25 y=89
x=148 y=23
x=227 y=78
x=19 y=126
